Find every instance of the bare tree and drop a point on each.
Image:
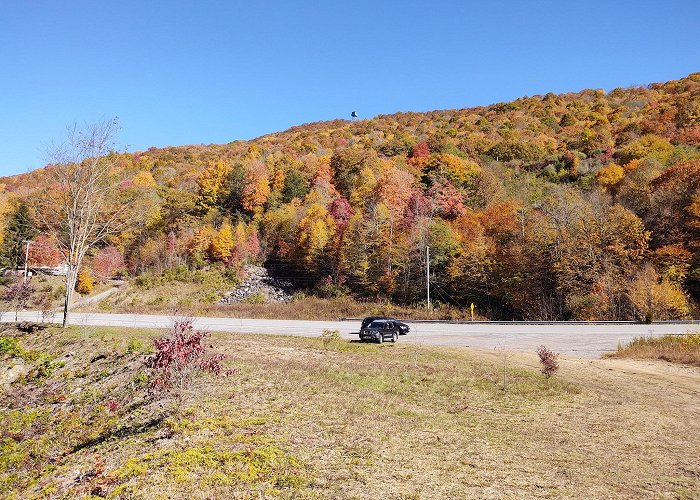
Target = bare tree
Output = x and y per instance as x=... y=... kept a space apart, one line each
x=81 y=206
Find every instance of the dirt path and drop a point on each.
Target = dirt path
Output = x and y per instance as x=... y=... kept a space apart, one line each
x=94 y=299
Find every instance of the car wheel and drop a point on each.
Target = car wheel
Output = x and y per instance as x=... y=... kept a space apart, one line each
x=394 y=337
x=380 y=338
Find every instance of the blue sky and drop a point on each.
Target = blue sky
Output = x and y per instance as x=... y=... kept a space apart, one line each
x=205 y=71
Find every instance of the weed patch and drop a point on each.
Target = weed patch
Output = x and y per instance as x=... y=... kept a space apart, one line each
x=674 y=348
x=260 y=465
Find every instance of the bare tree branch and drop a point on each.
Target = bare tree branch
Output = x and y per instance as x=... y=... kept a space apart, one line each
x=81 y=208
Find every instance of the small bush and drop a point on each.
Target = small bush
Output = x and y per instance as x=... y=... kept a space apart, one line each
x=180 y=357
x=329 y=337
x=147 y=280
x=19 y=295
x=255 y=298
x=10 y=347
x=548 y=360
x=59 y=292
x=85 y=283
x=135 y=345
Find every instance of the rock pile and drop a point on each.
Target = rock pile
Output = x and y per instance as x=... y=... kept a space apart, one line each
x=258 y=284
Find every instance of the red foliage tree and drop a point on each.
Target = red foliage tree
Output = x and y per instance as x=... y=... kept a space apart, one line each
x=420 y=150
x=19 y=295
x=341 y=211
x=418 y=206
x=253 y=245
x=448 y=200
x=108 y=262
x=43 y=252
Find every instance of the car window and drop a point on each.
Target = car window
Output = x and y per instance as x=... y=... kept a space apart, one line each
x=390 y=325
x=367 y=321
x=377 y=324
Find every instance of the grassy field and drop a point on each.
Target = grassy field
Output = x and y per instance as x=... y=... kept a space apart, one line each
x=344 y=420
x=675 y=348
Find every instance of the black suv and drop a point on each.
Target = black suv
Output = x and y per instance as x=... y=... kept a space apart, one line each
x=403 y=327
x=380 y=330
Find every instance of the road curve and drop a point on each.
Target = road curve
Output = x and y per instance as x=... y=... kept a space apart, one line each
x=584 y=340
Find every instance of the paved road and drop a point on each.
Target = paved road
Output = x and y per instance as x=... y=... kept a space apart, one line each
x=585 y=340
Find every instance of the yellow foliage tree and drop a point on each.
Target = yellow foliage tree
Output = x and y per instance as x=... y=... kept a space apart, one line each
x=316 y=229
x=223 y=242
x=85 y=283
x=648 y=146
x=278 y=180
x=144 y=179
x=254 y=152
x=365 y=184
x=657 y=298
x=460 y=172
x=212 y=183
x=202 y=239
x=610 y=176
x=256 y=189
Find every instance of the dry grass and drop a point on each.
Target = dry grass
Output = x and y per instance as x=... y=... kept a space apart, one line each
x=187 y=298
x=675 y=348
x=351 y=420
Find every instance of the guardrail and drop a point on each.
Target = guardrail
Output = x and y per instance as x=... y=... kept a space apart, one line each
x=520 y=322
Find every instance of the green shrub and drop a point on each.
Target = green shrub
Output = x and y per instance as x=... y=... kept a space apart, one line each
x=135 y=345
x=255 y=298
x=10 y=347
x=330 y=338
x=147 y=280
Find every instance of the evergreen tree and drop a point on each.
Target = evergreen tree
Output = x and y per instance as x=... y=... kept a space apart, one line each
x=20 y=228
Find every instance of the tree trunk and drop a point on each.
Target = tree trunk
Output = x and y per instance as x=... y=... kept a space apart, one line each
x=71 y=277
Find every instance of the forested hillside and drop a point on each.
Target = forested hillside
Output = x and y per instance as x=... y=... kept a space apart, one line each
x=574 y=206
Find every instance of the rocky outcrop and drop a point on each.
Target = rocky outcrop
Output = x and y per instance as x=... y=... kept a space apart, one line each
x=259 y=286
x=11 y=370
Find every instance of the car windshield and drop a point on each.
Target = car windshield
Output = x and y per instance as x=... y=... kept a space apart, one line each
x=377 y=324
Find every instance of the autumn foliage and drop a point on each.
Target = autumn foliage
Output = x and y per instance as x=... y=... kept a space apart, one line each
x=85 y=283
x=181 y=356
x=574 y=206
x=44 y=252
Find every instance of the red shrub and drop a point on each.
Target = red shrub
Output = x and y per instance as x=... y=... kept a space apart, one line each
x=548 y=360
x=182 y=355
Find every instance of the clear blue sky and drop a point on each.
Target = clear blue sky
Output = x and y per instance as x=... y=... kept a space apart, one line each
x=212 y=71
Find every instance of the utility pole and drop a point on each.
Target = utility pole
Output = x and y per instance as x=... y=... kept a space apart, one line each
x=26 y=259
x=427 y=273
